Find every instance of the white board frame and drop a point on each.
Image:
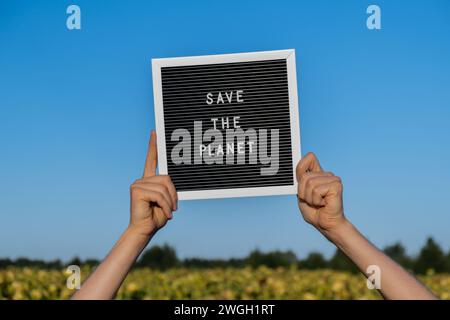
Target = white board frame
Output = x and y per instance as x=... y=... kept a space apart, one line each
x=289 y=55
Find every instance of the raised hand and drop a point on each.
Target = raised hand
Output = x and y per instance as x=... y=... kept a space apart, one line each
x=319 y=195
x=320 y=201
x=153 y=197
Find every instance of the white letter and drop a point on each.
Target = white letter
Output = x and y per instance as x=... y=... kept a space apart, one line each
x=274 y=152
x=202 y=148
x=230 y=148
x=220 y=98
x=240 y=147
x=236 y=121
x=250 y=146
x=238 y=95
x=373 y=277
x=74 y=20
x=184 y=147
x=209 y=99
x=74 y=280
x=219 y=150
x=225 y=122
x=229 y=97
x=374 y=20
x=214 y=120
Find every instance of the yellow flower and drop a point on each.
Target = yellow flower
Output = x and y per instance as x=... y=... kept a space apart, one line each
x=132 y=287
x=35 y=294
x=227 y=283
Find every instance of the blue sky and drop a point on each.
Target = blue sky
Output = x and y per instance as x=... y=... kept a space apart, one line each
x=76 y=109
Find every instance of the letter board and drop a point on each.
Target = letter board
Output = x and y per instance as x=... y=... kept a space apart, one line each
x=228 y=125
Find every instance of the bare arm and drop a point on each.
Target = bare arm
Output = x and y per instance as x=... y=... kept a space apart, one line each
x=153 y=198
x=320 y=202
x=104 y=282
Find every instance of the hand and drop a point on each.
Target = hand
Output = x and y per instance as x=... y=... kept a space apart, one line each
x=319 y=195
x=153 y=198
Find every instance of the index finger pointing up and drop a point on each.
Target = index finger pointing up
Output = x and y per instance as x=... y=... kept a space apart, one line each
x=308 y=163
x=152 y=157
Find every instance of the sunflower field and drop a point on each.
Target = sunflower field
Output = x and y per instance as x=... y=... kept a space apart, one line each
x=227 y=283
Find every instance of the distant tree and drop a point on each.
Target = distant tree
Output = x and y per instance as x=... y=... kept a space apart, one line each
x=255 y=258
x=339 y=261
x=271 y=259
x=23 y=262
x=212 y=263
x=75 y=261
x=448 y=262
x=198 y=263
x=5 y=263
x=314 y=260
x=397 y=253
x=235 y=263
x=159 y=257
x=431 y=256
x=54 y=264
x=91 y=262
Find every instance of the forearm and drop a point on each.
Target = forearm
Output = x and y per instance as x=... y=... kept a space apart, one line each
x=396 y=283
x=109 y=275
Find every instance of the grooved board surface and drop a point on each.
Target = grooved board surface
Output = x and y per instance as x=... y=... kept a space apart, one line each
x=265 y=95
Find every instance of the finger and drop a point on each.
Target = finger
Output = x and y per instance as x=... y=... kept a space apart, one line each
x=304 y=180
x=317 y=198
x=172 y=191
x=159 y=187
x=323 y=191
x=308 y=163
x=308 y=213
x=167 y=181
x=315 y=194
x=152 y=157
x=153 y=196
x=312 y=182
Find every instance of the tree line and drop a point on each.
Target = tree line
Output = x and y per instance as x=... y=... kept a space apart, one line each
x=430 y=257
